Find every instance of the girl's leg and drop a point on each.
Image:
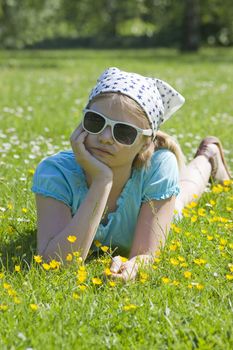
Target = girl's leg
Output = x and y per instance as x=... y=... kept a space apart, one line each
x=195 y=176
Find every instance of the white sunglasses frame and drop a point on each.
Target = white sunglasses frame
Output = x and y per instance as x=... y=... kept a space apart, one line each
x=146 y=132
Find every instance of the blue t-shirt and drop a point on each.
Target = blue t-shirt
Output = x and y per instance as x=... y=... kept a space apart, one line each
x=61 y=177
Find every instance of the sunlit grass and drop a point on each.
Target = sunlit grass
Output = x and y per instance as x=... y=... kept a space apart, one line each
x=185 y=300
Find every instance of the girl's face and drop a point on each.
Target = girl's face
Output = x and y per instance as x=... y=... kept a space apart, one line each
x=120 y=155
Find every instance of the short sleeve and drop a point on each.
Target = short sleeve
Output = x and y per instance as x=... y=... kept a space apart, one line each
x=161 y=180
x=50 y=180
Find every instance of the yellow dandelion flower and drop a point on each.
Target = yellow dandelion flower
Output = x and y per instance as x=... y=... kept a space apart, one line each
x=11 y=292
x=181 y=258
x=123 y=259
x=24 y=210
x=17 y=268
x=104 y=248
x=129 y=307
x=97 y=244
x=82 y=276
x=173 y=247
x=174 y=262
x=212 y=202
x=199 y=286
x=185 y=212
x=3 y=307
x=223 y=241
x=76 y=254
x=187 y=274
x=107 y=271
x=229 y=208
x=226 y=189
x=210 y=238
x=10 y=206
x=187 y=234
x=175 y=228
x=75 y=295
x=143 y=275
x=82 y=268
x=69 y=257
x=175 y=283
x=157 y=260
x=203 y=231
x=82 y=287
x=1 y=275
x=71 y=238
x=230 y=267
x=96 y=280
x=194 y=218
x=217 y=189
x=165 y=280
x=184 y=264
x=199 y=261
x=54 y=264
x=46 y=266
x=201 y=212
x=6 y=285
x=190 y=286
x=79 y=260
x=31 y=171
x=195 y=195
x=34 y=307
x=227 y=182
x=38 y=258
x=112 y=284
x=154 y=267
x=221 y=247
x=229 y=277
x=192 y=204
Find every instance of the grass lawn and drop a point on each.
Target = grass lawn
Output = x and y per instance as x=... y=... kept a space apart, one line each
x=186 y=300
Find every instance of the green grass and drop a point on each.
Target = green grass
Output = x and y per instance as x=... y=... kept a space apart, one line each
x=42 y=95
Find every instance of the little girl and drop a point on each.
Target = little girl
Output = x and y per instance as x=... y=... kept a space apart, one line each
x=123 y=178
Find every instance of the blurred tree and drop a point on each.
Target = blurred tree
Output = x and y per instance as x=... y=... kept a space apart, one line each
x=191 y=26
x=164 y=22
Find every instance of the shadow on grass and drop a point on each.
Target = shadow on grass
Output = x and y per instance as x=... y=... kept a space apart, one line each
x=21 y=249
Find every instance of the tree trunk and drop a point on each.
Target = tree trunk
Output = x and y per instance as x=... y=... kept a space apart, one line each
x=191 y=26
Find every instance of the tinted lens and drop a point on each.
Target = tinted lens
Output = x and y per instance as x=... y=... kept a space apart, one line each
x=93 y=122
x=125 y=134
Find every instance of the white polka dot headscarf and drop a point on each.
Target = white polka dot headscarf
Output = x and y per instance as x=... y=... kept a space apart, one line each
x=157 y=98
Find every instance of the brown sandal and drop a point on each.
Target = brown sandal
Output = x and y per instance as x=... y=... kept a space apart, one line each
x=211 y=156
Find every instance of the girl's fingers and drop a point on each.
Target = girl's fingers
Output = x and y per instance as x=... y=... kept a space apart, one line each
x=76 y=132
x=128 y=272
x=116 y=264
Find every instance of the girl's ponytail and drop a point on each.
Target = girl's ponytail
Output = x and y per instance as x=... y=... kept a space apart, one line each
x=163 y=140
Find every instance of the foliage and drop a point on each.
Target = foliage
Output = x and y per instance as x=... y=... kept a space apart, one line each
x=26 y=22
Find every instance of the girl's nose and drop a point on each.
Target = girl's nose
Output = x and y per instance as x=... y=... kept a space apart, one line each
x=106 y=134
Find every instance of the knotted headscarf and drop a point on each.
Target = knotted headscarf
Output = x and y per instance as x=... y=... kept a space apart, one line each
x=157 y=98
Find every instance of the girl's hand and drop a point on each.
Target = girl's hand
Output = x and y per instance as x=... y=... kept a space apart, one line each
x=125 y=271
x=90 y=164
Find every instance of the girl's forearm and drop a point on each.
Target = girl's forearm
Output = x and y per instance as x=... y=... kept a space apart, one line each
x=83 y=225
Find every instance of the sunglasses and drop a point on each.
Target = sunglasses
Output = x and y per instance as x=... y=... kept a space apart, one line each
x=123 y=133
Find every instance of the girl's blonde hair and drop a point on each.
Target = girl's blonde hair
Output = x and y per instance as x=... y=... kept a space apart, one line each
x=163 y=140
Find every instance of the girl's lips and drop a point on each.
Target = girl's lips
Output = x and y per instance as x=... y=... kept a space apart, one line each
x=103 y=151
